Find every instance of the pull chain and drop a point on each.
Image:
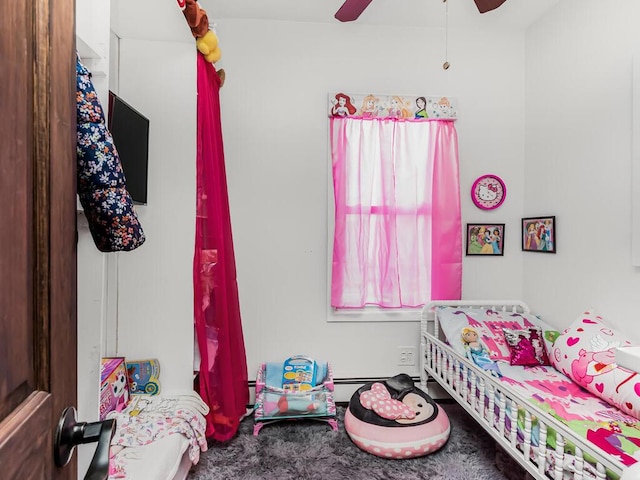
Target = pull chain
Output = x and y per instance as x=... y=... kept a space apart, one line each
x=446 y=63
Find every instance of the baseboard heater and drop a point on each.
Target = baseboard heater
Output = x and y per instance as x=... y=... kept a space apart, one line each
x=356 y=381
x=346 y=386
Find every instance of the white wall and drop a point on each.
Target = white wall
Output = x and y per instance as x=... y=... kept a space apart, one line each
x=155 y=286
x=277 y=168
x=578 y=160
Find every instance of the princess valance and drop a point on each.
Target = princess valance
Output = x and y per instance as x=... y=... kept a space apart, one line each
x=392 y=106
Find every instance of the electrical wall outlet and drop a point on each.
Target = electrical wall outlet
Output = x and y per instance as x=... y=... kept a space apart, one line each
x=407 y=356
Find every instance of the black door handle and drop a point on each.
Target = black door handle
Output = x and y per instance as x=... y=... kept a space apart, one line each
x=70 y=433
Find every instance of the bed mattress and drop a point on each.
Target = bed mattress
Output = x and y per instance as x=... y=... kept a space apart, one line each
x=165 y=459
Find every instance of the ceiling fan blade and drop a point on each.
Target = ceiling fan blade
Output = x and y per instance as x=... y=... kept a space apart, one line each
x=487 y=5
x=351 y=10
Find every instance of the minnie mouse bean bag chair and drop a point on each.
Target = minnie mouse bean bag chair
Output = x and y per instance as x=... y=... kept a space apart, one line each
x=394 y=419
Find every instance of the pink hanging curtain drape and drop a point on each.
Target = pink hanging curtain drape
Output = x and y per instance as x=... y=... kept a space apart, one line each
x=398 y=233
x=446 y=217
x=223 y=380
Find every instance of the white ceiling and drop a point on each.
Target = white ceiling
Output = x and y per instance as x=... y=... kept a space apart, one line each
x=167 y=23
x=514 y=14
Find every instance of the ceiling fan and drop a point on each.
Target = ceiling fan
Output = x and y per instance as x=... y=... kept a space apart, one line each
x=351 y=9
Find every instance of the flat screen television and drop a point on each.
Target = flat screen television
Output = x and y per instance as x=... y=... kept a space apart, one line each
x=130 y=131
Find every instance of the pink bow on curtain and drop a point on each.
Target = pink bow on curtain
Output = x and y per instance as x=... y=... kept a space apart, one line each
x=223 y=380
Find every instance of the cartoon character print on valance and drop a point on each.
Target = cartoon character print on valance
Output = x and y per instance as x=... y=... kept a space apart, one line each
x=401 y=107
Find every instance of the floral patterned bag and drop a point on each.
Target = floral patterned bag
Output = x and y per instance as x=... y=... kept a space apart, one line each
x=113 y=222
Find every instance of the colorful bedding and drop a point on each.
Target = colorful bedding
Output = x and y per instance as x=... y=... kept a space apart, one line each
x=587 y=413
x=614 y=431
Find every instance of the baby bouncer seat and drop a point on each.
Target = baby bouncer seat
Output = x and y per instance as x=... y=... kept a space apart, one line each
x=298 y=388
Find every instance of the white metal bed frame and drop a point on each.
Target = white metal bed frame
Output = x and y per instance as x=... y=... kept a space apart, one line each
x=465 y=382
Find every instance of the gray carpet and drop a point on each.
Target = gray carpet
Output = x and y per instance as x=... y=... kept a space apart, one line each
x=307 y=450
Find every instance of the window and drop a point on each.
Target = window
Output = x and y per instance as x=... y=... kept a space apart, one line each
x=397 y=239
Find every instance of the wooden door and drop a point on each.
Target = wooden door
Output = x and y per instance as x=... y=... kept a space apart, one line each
x=37 y=233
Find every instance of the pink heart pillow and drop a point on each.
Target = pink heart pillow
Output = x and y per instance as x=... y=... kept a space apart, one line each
x=585 y=352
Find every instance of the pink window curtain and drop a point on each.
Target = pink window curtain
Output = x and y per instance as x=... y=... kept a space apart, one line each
x=398 y=231
x=223 y=380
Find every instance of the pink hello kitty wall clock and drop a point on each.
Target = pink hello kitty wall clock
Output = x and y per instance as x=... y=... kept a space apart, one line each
x=488 y=192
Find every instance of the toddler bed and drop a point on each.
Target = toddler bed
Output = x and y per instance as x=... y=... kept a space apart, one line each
x=569 y=415
x=158 y=437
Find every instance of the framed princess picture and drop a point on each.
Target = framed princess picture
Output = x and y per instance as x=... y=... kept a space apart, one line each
x=485 y=238
x=539 y=234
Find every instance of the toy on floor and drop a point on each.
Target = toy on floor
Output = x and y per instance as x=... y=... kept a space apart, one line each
x=395 y=419
x=298 y=374
x=276 y=404
x=297 y=388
